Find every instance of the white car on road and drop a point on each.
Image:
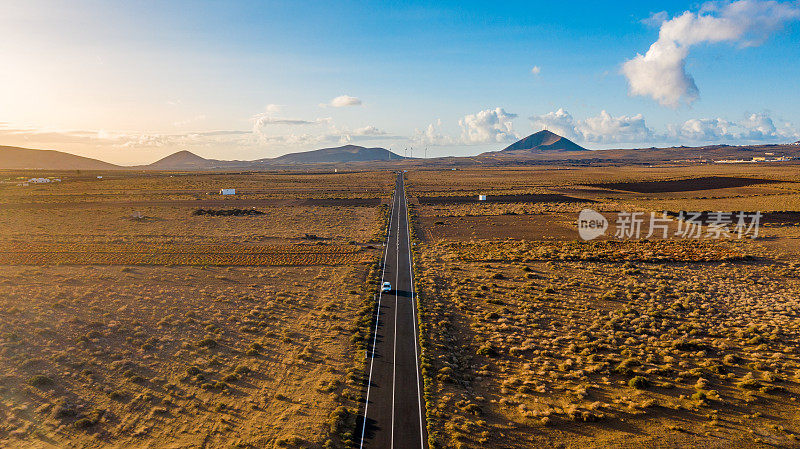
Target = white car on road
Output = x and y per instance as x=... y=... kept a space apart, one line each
x=387 y=287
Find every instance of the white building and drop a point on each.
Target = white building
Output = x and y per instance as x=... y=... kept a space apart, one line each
x=227 y=191
x=38 y=180
x=481 y=197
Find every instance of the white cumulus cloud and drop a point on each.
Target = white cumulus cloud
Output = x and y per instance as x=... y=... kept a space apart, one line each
x=432 y=135
x=703 y=130
x=559 y=122
x=490 y=125
x=605 y=128
x=661 y=72
x=753 y=128
x=759 y=126
x=602 y=128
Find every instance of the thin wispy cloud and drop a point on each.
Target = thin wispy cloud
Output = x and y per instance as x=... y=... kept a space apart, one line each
x=188 y=121
x=144 y=147
x=274 y=108
x=369 y=130
x=656 y=19
x=265 y=119
x=343 y=101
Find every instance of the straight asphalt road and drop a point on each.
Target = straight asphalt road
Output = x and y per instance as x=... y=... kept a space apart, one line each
x=394 y=412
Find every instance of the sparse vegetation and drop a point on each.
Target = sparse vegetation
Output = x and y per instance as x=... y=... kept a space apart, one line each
x=526 y=341
x=673 y=339
x=225 y=332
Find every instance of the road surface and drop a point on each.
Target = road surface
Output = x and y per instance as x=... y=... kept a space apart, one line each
x=394 y=412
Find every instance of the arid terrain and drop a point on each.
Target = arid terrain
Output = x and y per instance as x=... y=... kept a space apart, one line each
x=129 y=319
x=533 y=338
x=147 y=310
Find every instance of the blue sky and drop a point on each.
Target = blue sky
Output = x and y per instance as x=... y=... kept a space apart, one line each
x=131 y=81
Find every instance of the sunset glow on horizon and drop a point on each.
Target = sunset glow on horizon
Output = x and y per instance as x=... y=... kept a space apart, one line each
x=130 y=82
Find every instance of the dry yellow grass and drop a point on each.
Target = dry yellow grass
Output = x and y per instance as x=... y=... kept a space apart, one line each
x=526 y=351
x=127 y=321
x=174 y=357
x=532 y=339
x=84 y=187
x=39 y=253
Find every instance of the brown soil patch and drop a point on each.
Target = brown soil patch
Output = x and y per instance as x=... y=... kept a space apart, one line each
x=545 y=226
x=779 y=217
x=685 y=185
x=527 y=227
x=346 y=202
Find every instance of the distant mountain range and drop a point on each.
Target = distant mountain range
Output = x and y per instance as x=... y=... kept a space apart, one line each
x=183 y=160
x=540 y=142
x=23 y=158
x=541 y=148
x=347 y=153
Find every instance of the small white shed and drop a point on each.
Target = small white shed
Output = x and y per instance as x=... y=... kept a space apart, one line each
x=227 y=191
x=481 y=197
